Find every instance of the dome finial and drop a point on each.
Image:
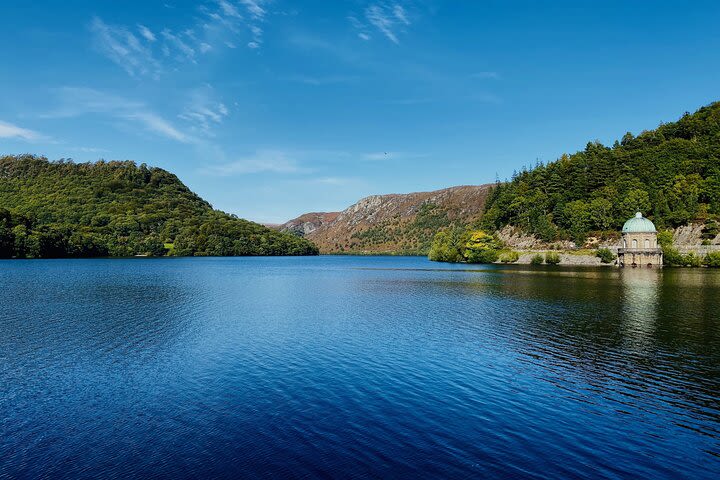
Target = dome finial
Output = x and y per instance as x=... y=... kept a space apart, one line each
x=638 y=215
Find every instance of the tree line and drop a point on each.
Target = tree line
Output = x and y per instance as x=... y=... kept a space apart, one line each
x=670 y=174
x=67 y=209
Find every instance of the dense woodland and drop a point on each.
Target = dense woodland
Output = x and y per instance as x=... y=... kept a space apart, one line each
x=65 y=209
x=671 y=174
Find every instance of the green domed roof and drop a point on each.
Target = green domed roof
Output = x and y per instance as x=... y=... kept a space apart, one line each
x=639 y=224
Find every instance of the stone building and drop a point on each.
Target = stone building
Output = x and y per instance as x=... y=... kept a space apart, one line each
x=639 y=244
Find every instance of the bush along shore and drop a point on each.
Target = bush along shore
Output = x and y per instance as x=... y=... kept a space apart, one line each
x=458 y=245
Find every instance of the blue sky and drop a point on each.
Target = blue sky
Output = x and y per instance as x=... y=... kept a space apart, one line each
x=269 y=109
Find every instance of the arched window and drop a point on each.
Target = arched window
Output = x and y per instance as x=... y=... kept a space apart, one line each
x=624 y=243
x=647 y=243
x=634 y=243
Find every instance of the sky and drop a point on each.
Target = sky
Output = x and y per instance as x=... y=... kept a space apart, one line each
x=270 y=109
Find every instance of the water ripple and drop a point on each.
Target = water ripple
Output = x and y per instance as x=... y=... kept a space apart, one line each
x=343 y=367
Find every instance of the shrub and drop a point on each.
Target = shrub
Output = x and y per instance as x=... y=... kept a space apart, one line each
x=665 y=239
x=676 y=259
x=712 y=259
x=552 y=258
x=537 y=259
x=605 y=255
x=509 y=257
x=447 y=246
x=482 y=248
x=672 y=257
x=692 y=260
x=710 y=230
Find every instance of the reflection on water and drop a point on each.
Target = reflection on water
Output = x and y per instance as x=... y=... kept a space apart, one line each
x=356 y=367
x=641 y=300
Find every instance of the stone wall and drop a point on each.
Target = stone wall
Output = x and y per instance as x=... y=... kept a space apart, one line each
x=701 y=250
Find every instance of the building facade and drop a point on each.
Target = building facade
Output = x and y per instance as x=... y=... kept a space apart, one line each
x=639 y=244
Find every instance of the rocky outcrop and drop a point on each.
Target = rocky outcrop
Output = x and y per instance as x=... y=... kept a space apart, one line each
x=692 y=234
x=515 y=238
x=394 y=223
x=307 y=223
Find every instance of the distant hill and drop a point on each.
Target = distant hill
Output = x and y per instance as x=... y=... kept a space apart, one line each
x=393 y=224
x=66 y=209
x=307 y=223
x=670 y=174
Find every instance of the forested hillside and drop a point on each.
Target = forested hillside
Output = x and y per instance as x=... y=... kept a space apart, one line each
x=63 y=209
x=671 y=174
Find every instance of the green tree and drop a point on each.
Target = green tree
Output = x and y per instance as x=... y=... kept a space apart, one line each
x=578 y=217
x=448 y=245
x=602 y=214
x=481 y=248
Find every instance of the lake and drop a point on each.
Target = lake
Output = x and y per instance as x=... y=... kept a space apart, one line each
x=356 y=367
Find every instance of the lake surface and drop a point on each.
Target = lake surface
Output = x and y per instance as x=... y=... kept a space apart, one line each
x=353 y=367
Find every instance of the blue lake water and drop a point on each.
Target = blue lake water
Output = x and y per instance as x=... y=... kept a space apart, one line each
x=356 y=367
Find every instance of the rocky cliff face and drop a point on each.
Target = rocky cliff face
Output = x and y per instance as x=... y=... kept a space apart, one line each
x=395 y=223
x=307 y=223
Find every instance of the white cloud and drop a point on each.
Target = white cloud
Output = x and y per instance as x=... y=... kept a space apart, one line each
x=318 y=81
x=123 y=48
x=264 y=161
x=141 y=51
x=399 y=13
x=388 y=18
x=89 y=149
x=146 y=33
x=78 y=101
x=8 y=130
x=336 y=181
x=157 y=124
x=232 y=16
x=228 y=9
x=183 y=50
x=380 y=156
x=203 y=110
x=255 y=8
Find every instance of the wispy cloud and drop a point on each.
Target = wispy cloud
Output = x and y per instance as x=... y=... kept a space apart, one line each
x=156 y=124
x=89 y=149
x=228 y=9
x=263 y=161
x=78 y=101
x=255 y=7
x=335 y=181
x=203 y=110
x=124 y=48
x=177 y=46
x=383 y=156
x=234 y=16
x=140 y=51
x=146 y=33
x=318 y=81
x=390 y=19
x=8 y=130
x=326 y=181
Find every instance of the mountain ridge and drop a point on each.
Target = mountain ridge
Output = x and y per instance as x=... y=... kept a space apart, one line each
x=391 y=223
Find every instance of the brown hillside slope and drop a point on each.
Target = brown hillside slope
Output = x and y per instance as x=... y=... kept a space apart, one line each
x=392 y=224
